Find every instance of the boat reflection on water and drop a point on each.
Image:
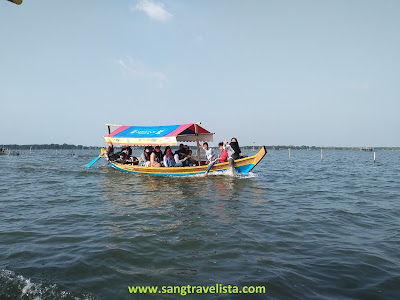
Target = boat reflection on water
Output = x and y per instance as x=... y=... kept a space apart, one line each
x=177 y=225
x=152 y=203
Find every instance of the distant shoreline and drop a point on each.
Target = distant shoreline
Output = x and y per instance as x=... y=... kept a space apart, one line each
x=271 y=148
x=47 y=147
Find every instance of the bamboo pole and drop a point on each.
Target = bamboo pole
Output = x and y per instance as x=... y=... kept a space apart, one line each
x=374 y=156
x=18 y=2
x=111 y=125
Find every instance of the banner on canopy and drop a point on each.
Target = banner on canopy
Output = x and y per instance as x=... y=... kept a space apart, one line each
x=163 y=141
x=158 y=135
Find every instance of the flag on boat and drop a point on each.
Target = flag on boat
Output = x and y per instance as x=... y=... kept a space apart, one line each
x=157 y=135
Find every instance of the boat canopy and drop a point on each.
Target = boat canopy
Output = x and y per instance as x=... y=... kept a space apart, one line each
x=157 y=135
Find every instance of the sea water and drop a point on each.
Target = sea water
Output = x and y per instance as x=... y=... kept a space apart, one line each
x=303 y=229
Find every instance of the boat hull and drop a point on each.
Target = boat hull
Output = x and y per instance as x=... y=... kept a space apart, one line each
x=244 y=166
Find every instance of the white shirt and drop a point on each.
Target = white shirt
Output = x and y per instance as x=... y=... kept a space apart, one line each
x=177 y=160
x=229 y=149
x=210 y=154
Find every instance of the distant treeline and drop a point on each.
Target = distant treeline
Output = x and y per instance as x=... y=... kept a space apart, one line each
x=47 y=146
x=276 y=147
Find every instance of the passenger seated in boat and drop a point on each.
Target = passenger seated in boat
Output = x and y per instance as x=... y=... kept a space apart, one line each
x=235 y=147
x=134 y=160
x=230 y=152
x=126 y=152
x=181 y=151
x=109 y=151
x=210 y=155
x=191 y=159
x=156 y=158
x=179 y=162
x=223 y=158
x=119 y=157
x=169 y=160
x=233 y=152
x=144 y=160
x=187 y=163
x=166 y=149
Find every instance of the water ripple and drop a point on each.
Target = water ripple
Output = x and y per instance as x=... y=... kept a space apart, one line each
x=303 y=229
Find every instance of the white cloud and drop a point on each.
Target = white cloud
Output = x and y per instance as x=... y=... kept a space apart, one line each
x=154 y=10
x=198 y=40
x=136 y=69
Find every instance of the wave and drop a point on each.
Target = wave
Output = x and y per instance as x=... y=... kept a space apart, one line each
x=14 y=286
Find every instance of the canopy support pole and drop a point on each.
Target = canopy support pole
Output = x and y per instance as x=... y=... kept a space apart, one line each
x=111 y=125
x=198 y=144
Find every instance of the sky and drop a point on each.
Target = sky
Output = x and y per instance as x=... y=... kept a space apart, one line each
x=273 y=72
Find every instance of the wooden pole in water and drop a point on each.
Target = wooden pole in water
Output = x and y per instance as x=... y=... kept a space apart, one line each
x=374 y=156
x=289 y=153
x=196 y=130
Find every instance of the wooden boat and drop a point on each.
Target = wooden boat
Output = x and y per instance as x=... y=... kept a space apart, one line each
x=244 y=166
x=170 y=136
x=4 y=151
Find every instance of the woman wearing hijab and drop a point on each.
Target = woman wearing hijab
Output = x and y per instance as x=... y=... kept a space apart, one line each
x=144 y=160
x=166 y=149
x=235 y=147
x=233 y=152
x=169 y=160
